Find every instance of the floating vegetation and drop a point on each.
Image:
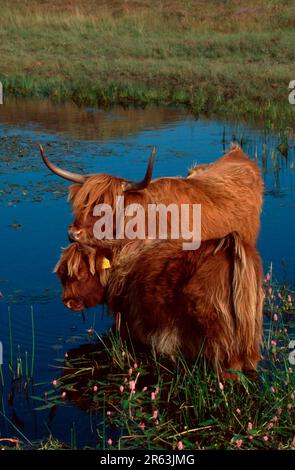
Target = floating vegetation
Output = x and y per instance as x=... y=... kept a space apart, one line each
x=19 y=296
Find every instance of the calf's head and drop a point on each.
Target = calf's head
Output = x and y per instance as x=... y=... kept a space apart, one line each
x=83 y=274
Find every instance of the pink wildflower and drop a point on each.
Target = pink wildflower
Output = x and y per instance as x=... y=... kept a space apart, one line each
x=142 y=425
x=132 y=385
x=179 y=445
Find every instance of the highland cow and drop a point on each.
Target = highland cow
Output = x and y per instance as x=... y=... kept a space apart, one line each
x=228 y=190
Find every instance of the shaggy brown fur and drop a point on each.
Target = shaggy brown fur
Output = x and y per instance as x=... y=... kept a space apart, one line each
x=207 y=300
x=229 y=191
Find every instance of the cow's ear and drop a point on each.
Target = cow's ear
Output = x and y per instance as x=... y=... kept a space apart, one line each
x=105 y=263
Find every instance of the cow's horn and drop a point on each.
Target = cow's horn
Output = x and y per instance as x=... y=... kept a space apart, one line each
x=137 y=186
x=68 y=175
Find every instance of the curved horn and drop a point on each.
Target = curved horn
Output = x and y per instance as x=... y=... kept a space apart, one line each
x=68 y=175
x=137 y=186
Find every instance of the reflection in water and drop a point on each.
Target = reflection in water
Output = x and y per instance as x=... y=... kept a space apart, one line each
x=102 y=365
x=86 y=123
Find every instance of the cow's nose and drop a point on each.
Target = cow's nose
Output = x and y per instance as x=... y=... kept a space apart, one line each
x=75 y=233
x=69 y=304
x=75 y=305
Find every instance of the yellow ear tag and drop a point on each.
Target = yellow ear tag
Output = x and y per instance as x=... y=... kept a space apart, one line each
x=105 y=263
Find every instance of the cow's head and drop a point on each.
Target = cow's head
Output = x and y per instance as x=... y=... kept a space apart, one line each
x=83 y=273
x=91 y=190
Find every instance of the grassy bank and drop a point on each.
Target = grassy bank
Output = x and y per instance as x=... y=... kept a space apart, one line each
x=217 y=57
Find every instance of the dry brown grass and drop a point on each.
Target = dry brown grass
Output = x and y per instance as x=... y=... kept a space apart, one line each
x=202 y=15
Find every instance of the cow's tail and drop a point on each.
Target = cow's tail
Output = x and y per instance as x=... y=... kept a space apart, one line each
x=247 y=300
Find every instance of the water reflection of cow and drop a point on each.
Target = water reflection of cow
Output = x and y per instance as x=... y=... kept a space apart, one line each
x=209 y=299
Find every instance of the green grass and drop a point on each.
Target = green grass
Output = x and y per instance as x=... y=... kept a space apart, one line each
x=215 y=57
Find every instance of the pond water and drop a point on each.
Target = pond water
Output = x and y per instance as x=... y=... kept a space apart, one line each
x=34 y=216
